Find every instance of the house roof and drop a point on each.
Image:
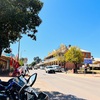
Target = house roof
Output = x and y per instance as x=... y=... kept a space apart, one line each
x=84 y=50
x=97 y=59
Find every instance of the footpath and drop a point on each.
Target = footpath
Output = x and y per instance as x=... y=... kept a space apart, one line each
x=84 y=75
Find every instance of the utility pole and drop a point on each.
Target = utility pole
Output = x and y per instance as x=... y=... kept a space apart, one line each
x=92 y=64
x=18 y=49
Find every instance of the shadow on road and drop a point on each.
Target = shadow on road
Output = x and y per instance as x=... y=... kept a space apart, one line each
x=54 y=95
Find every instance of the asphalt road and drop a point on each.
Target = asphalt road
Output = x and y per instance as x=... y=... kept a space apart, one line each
x=62 y=86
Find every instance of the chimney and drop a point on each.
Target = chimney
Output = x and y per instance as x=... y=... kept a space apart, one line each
x=69 y=46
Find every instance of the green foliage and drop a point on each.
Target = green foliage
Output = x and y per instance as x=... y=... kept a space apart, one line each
x=37 y=60
x=21 y=61
x=60 y=57
x=59 y=54
x=18 y=17
x=33 y=63
x=74 y=55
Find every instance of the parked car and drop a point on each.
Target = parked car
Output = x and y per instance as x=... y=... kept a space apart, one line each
x=57 y=68
x=30 y=67
x=42 y=67
x=35 y=67
x=49 y=69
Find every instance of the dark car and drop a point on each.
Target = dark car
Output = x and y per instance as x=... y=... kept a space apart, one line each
x=30 y=67
x=35 y=67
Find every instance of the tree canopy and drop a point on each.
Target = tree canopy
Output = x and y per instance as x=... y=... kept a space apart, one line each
x=37 y=60
x=74 y=55
x=59 y=53
x=18 y=17
x=21 y=61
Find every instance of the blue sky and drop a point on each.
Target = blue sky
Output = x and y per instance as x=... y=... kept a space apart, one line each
x=75 y=22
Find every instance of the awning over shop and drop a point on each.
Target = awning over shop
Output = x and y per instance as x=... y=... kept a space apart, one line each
x=9 y=55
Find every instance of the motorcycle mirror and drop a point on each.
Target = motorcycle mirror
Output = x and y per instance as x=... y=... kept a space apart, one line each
x=32 y=79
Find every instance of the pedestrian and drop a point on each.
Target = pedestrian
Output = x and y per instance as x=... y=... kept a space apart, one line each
x=66 y=70
x=27 y=69
x=85 y=68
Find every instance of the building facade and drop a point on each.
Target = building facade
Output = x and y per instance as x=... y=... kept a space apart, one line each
x=8 y=62
x=51 y=58
x=4 y=63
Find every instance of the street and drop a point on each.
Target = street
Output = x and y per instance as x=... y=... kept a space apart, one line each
x=62 y=86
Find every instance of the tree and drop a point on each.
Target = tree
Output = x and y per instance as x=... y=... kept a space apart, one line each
x=59 y=54
x=37 y=60
x=18 y=17
x=21 y=61
x=74 y=55
x=33 y=64
x=60 y=57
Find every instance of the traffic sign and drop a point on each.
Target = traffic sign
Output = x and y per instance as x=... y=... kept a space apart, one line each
x=87 y=61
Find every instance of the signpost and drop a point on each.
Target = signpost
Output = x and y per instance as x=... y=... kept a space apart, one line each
x=87 y=61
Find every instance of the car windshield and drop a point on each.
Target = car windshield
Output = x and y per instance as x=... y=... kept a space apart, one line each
x=50 y=67
x=57 y=66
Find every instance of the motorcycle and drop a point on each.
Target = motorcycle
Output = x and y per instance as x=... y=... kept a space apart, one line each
x=20 y=88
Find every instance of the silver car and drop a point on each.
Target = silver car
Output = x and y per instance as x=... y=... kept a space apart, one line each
x=49 y=69
x=57 y=68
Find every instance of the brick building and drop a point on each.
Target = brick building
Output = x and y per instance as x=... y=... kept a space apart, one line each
x=51 y=58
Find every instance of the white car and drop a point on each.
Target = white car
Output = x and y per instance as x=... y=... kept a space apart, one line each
x=57 y=68
x=41 y=67
x=49 y=69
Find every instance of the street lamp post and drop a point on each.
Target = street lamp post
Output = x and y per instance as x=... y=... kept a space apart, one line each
x=18 y=49
x=92 y=63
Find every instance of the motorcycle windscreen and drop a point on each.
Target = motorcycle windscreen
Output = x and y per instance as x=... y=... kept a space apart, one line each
x=32 y=79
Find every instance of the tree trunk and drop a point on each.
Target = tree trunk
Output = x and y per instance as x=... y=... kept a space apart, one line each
x=64 y=66
x=75 y=69
x=0 y=51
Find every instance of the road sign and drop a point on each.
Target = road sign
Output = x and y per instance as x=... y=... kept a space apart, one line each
x=87 y=61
